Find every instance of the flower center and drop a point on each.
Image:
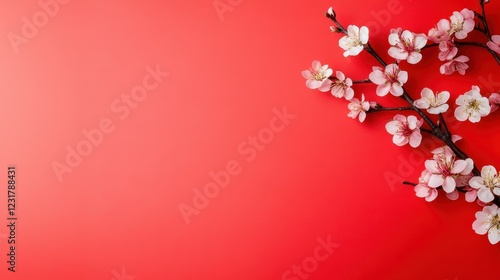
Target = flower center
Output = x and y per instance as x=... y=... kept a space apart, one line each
x=408 y=45
x=354 y=42
x=341 y=84
x=391 y=75
x=495 y=222
x=491 y=181
x=457 y=26
x=473 y=105
x=405 y=130
x=318 y=76
x=445 y=166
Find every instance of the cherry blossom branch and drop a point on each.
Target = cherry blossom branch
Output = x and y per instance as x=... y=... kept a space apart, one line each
x=339 y=27
x=435 y=130
x=405 y=95
x=430 y=46
x=451 y=169
x=443 y=122
x=380 y=108
x=367 y=81
x=480 y=30
x=476 y=44
x=495 y=55
x=427 y=131
x=371 y=51
x=460 y=189
x=483 y=19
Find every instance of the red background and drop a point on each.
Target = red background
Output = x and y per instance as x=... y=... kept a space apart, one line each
x=322 y=175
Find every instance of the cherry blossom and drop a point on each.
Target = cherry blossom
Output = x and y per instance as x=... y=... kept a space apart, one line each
x=439 y=33
x=453 y=195
x=470 y=194
x=359 y=108
x=435 y=104
x=487 y=185
x=457 y=64
x=340 y=86
x=472 y=106
x=447 y=50
x=462 y=23
x=406 y=45
x=389 y=80
x=353 y=43
x=423 y=190
x=494 y=101
x=405 y=130
x=317 y=75
x=446 y=169
x=488 y=221
x=494 y=44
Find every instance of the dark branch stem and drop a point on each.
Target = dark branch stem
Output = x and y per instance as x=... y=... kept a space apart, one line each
x=380 y=108
x=361 y=81
x=371 y=51
x=475 y=44
x=483 y=19
x=339 y=26
x=493 y=53
x=443 y=122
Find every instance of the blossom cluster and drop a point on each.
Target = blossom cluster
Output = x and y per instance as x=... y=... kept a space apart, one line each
x=449 y=169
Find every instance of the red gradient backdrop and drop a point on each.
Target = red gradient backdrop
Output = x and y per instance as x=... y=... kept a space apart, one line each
x=318 y=176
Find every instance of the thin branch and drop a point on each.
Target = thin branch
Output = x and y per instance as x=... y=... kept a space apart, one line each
x=483 y=19
x=362 y=81
x=380 y=108
x=443 y=122
x=493 y=53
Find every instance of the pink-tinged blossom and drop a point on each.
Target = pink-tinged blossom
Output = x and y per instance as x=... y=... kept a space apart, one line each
x=389 y=80
x=472 y=106
x=494 y=101
x=487 y=185
x=440 y=33
x=406 y=45
x=488 y=221
x=462 y=23
x=317 y=75
x=446 y=169
x=358 y=108
x=353 y=43
x=447 y=50
x=494 y=44
x=458 y=64
x=470 y=194
x=405 y=130
x=433 y=103
x=340 y=86
x=453 y=195
x=423 y=190
x=455 y=138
